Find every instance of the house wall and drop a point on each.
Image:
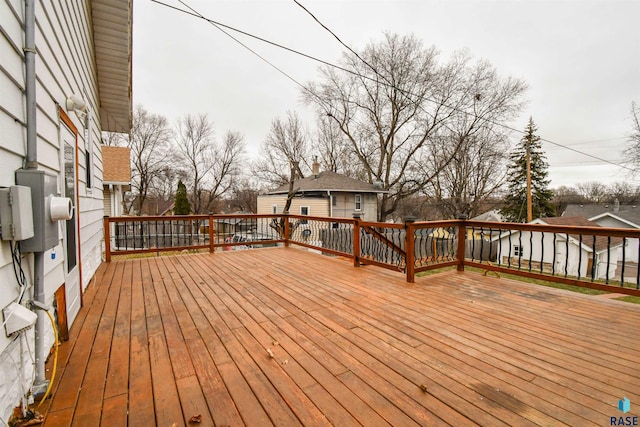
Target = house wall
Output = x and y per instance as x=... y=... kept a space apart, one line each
x=112 y=200
x=318 y=206
x=345 y=206
x=632 y=249
x=540 y=250
x=64 y=65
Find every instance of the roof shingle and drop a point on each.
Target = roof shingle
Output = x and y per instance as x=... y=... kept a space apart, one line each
x=116 y=166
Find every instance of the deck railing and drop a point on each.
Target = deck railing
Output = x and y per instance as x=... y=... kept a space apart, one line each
x=593 y=257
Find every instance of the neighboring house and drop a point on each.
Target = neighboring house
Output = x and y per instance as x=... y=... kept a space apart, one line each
x=325 y=194
x=486 y=233
x=116 y=178
x=493 y=215
x=576 y=258
x=612 y=215
x=65 y=78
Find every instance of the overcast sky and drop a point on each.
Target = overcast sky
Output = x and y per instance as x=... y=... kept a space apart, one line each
x=581 y=60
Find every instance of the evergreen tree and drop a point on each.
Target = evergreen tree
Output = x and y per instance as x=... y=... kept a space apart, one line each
x=515 y=207
x=181 y=202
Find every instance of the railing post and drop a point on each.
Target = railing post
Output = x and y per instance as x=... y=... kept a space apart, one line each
x=410 y=248
x=212 y=248
x=462 y=240
x=107 y=239
x=287 y=230
x=356 y=239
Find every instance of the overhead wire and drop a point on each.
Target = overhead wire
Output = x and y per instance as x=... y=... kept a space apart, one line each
x=454 y=108
x=220 y=26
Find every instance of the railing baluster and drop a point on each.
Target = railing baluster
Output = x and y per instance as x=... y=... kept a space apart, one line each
x=580 y=256
x=594 y=259
x=530 y=249
x=509 y=255
x=520 y=250
x=608 y=258
x=566 y=256
x=542 y=252
x=555 y=250
x=624 y=261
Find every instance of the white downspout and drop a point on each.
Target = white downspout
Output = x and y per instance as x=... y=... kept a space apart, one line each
x=40 y=382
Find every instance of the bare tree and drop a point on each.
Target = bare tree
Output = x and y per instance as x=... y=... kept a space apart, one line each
x=114 y=139
x=395 y=109
x=285 y=145
x=165 y=185
x=150 y=153
x=335 y=153
x=194 y=143
x=593 y=191
x=624 y=192
x=473 y=175
x=226 y=167
x=633 y=151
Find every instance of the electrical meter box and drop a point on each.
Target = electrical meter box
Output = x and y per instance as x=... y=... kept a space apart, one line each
x=43 y=185
x=16 y=215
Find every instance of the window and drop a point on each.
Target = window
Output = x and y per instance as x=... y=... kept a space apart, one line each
x=517 y=250
x=275 y=209
x=358 y=199
x=334 y=201
x=304 y=210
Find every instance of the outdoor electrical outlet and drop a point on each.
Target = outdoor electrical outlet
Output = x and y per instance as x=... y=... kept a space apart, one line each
x=18 y=318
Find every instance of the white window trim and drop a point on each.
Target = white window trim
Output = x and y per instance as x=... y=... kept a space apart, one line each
x=517 y=250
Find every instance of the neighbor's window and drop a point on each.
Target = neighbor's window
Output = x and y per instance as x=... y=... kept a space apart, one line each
x=334 y=201
x=358 y=202
x=304 y=210
x=517 y=250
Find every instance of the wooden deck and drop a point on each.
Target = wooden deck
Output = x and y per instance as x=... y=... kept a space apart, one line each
x=286 y=337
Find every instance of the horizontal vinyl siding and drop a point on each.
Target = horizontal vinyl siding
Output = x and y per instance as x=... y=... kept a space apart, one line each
x=317 y=206
x=12 y=144
x=65 y=65
x=265 y=203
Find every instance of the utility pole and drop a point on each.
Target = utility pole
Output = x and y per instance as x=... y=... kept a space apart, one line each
x=529 y=204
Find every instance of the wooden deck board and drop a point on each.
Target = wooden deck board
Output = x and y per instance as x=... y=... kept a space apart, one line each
x=161 y=340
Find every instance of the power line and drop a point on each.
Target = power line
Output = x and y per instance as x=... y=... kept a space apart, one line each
x=220 y=26
x=453 y=108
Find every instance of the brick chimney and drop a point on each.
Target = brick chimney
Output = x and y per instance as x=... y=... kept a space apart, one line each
x=616 y=205
x=315 y=167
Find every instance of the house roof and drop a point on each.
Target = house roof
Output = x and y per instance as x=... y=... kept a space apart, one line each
x=490 y=216
x=112 y=30
x=116 y=166
x=630 y=213
x=329 y=181
x=601 y=242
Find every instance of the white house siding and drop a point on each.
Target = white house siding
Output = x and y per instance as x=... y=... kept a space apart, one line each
x=632 y=249
x=64 y=65
x=533 y=249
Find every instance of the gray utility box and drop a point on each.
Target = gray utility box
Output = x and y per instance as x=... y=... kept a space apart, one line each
x=45 y=231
